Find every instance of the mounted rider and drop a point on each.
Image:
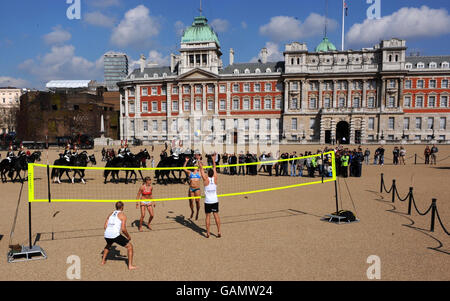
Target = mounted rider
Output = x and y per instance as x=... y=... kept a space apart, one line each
x=123 y=150
x=21 y=151
x=75 y=151
x=67 y=153
x=10 y=154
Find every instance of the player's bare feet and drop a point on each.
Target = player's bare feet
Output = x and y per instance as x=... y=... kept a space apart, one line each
x=103 y=262
x=219 y=235
x=149 y=227
x=192 y=214
x=140 y=229
x=196 y=217
x=132 y=267
x=207 y=235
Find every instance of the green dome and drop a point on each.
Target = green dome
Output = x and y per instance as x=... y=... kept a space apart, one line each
x=325 y=46
x=200 y=31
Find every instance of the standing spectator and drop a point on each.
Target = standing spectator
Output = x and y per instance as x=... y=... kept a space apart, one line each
x=233 y=161
x=381 y=155
x=293 y=164
x=241 y=167
x=375 y=157
x=427 y=154
x=402 y=155
x=103 y=154
x=300 y=164
x=344 y=164
x=359 y=157
x=152 y=160
x=269 y=164
x=396 y=154
x=366 y=156
x=225 y=163
x=284 y=164
x=262 y=158
x=434 y=151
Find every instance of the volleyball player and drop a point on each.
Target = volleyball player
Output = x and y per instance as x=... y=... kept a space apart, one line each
x=211 y=200
x=145 y=193
x=194 y=188
x=116 y=223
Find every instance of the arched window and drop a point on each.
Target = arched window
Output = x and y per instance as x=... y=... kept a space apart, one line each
x=433 y=65
x=292 y=61
x=420 y=65
x=247 y=71
x=396 y=57
x=257 y=70
x=236 y=71
x=408 y=66
x=268 y=70
x=445 y=65
x=132 y=76
x=145 y=75
x=390 y=57
x=298 y=61
x=279 y=70
x=164 y=75
x=155 y=75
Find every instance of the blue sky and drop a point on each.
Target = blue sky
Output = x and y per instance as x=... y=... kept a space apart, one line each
x=39 y=43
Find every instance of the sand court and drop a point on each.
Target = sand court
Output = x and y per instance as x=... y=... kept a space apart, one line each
x=275 y=235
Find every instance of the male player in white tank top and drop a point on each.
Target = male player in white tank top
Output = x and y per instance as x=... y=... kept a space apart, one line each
x=116 y=223
x=211 y=200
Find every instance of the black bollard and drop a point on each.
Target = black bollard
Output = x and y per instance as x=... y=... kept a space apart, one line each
x=415 y=159
x=393 y=191
x=433 y=214
x=410 y=200
x=381 y=184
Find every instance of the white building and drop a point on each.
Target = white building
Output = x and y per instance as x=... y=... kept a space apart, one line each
x=9 y=105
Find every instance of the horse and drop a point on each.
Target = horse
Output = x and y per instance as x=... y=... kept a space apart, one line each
x=135 y=161
x=57 y=173
x=21 y=164
x=114 y=162
x=82 y=160
x=172 y=162
x=5 y=166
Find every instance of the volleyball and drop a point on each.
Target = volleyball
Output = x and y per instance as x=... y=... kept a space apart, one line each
x=197 y=133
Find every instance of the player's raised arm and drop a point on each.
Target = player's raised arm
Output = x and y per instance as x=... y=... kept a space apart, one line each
x=185 y=163
x=214 y=168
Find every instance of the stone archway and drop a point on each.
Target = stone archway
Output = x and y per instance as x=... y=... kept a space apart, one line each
x=343 y=132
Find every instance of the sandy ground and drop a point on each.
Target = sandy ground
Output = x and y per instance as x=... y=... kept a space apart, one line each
x=270 y=236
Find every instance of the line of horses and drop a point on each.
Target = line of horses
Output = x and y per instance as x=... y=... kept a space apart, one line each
x=165 y=176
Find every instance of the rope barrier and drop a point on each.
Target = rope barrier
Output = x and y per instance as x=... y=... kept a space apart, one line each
x=420 y=213
x=410 y=196
x=398 y=196
x=440 y=222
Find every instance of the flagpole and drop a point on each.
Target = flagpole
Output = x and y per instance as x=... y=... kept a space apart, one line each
x=343 y=24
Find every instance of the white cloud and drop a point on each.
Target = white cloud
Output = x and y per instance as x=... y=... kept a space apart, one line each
x=158 y=58
x=104 y=3
x=137 y=28
x=273 y=51
x=220 y=25
x=57 y=36
x=99 y=19
x=407 y=22
x=244 y=25
x=179 y=28
x=284 y=28
x=62 y=63
x=6 y=81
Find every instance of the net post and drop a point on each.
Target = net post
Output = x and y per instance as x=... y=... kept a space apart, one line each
x=336 y=194
x=410 y=200
x=415 y=159
x=433 y=214
x=393 y=191
x=48 y=184
x=323 y=166
x=29 y=224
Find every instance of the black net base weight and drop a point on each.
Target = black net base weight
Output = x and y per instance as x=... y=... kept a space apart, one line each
x=340 y=217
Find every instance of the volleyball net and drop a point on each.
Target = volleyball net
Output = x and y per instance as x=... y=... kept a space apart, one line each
x=48 y=183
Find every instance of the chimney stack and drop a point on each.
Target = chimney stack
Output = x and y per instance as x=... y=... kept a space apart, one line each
x=264 y=55
x=172 y=62
x=231 y=56
x=142 y=63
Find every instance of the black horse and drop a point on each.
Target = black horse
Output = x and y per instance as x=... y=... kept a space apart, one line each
x=163 y=176
x=82 y=160
x=130 y=161
x=57 y=173
x=18 y=165
x=135 y=162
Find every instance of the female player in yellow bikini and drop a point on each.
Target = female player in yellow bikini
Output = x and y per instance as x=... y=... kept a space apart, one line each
x=145 y=193
x=194 y=188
